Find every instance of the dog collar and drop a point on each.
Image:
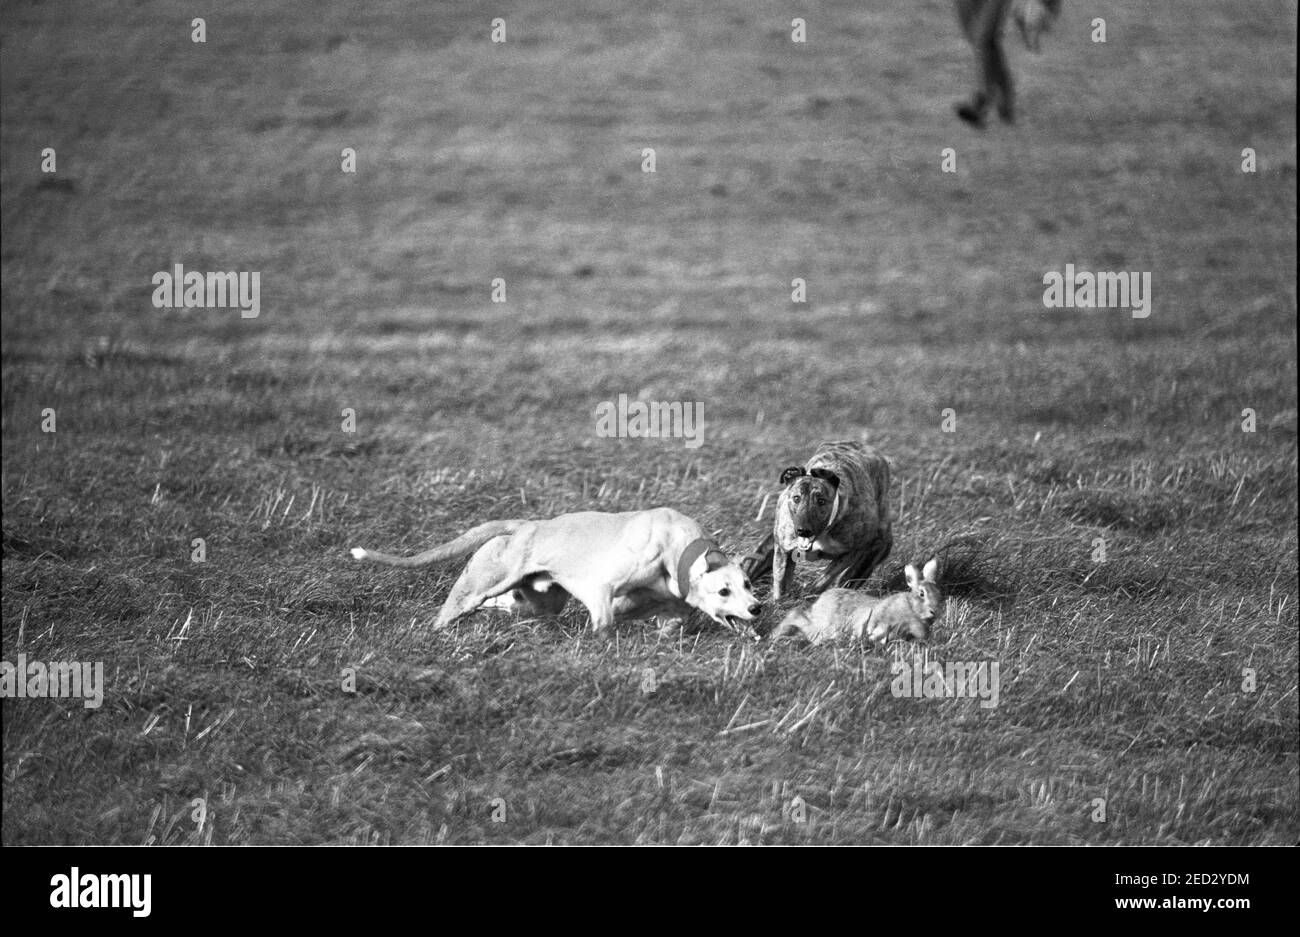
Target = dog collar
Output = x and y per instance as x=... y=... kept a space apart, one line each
x=694 y=550
x=835 y=510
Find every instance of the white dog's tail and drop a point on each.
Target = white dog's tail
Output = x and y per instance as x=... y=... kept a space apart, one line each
x=463 y=545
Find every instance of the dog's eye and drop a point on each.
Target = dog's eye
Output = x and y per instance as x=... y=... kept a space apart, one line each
x=795 y=499
x=821 y=502
x=724 y=592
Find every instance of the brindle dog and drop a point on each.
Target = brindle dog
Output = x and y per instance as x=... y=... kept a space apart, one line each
x=836 y=508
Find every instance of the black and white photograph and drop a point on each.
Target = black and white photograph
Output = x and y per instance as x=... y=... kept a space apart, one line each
x=606 y=423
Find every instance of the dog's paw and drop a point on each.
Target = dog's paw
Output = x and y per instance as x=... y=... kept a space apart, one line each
x=359 y=554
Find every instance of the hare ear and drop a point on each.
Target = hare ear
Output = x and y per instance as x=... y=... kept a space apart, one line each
x=910 y=572
x=791 y=474
x=931 y=570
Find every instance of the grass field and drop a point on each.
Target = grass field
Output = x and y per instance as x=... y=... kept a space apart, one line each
x=1123 y=681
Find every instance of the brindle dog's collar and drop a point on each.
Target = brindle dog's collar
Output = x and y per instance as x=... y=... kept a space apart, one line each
x=694 y=550
x=835 y=511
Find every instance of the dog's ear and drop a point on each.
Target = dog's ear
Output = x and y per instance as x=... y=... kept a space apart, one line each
x=826 y=475
x=931 y=570
x=791 y=474
x=913 y=579
x=706 y=562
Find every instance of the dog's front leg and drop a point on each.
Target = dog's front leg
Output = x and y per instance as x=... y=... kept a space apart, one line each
x=782 y=573
x=488 y=574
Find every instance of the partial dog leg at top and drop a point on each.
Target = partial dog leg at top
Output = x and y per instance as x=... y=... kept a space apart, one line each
x=997 y=75
x=982 y=21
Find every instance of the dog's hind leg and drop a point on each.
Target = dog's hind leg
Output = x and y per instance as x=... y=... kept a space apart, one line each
x=466 y=595
x=865 y=562
x=488 y=574
x=834 y=573
x=880 y=549
x=857 y=571
x=757 y=563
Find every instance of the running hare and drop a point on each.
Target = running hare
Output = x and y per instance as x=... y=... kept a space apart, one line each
x=848 y=613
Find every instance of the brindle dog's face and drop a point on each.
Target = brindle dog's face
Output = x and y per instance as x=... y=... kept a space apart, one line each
x=809 y=499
